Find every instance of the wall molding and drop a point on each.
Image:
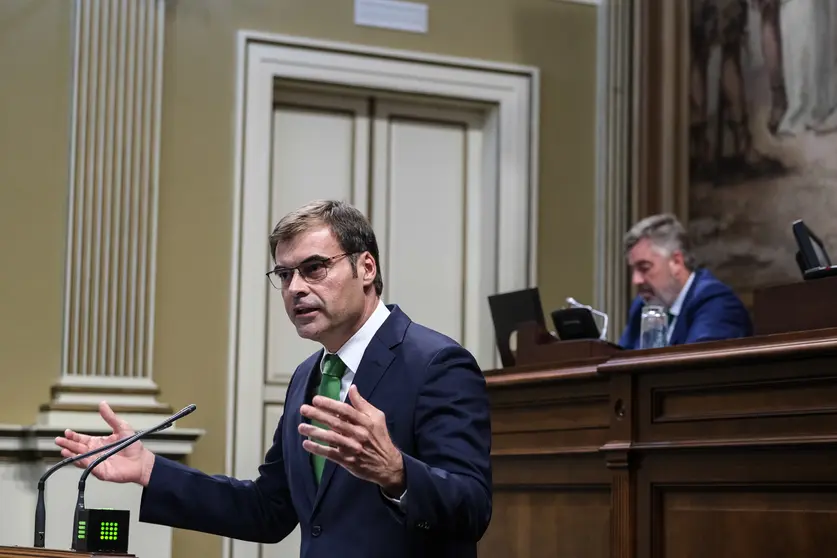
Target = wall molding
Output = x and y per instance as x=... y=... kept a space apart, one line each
x=31 y=443
x=586 y=2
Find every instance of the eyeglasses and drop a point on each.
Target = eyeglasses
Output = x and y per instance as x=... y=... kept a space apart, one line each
x=312 y=270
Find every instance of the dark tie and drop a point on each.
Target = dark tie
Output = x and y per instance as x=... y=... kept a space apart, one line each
x=333 y=370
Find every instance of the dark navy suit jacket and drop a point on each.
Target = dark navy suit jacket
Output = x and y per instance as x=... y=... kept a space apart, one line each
x=711 y=311
x=433 y=395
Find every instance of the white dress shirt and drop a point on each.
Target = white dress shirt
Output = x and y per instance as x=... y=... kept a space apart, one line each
x=351 y=353
x=675 y=308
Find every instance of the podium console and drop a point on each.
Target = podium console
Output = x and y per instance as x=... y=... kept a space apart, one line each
x=537 y=347
x=801 y=306
x=31 y=552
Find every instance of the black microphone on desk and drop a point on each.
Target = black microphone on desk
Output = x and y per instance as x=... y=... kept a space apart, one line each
x=106 y=530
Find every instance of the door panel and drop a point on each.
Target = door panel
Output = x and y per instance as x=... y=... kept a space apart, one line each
x=427 y=179
x=320 y=150
x=428 y=185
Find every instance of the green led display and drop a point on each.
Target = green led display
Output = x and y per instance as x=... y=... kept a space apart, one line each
x=109 y=531
x=101 y=531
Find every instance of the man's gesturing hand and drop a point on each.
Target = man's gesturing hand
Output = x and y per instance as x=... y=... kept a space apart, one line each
x=132 y=464
x=357 y=438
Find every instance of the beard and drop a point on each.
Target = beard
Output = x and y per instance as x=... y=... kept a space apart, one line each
x=668 y=294
x=663 y=296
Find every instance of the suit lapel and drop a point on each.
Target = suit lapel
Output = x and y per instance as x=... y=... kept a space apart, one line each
x=374 y=364
x=376 y=361
x=679 y=328
x=681 y=325
x=301 y=458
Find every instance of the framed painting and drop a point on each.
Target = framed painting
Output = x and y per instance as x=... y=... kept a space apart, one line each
x=735 y=114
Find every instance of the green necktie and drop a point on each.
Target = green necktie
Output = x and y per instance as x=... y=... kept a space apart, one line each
x=333 y=370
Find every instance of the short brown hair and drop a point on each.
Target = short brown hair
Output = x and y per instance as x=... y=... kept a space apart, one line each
x=666 y=233
x=347 y=223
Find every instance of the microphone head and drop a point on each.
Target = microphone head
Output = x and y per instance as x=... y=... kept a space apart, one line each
x=187 y=410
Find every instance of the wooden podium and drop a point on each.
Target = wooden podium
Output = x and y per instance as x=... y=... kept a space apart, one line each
x=537 y=346
x=32 y=552
x=723 y=449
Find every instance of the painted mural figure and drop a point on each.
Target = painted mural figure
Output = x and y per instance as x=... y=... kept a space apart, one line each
x=762 y=133
x=721 y=121
x=810 y=72
x=771 y=48
x=800 y=66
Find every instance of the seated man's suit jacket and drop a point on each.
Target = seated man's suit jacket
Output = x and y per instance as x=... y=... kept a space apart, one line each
x=711 y=311
x=433 y=395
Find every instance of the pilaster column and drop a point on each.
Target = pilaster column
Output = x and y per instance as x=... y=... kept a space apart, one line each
x=616 y=154
x=116 y=97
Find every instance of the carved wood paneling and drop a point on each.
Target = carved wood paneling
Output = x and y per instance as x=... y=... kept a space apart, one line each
x=708 y=449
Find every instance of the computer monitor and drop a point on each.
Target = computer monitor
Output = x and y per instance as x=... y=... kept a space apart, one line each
x=509 y=311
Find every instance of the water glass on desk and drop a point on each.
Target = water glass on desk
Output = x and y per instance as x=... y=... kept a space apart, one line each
x=653 y=331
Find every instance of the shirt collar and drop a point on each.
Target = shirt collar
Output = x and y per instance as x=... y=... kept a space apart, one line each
x=678 y=302
x=352 y=350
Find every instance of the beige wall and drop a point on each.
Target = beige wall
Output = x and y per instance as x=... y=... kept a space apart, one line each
x=34 y=127
x=196 y=176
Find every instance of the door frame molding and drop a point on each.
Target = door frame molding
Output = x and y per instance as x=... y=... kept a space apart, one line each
x=511 y=92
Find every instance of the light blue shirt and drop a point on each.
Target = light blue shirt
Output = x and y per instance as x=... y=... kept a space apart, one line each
x=677 y=306
x=351 y=353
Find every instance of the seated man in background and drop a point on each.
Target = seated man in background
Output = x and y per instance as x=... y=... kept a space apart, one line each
x=700 y=307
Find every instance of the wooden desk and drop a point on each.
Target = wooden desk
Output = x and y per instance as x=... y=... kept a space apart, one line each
x=799 y=306
x=714 y=450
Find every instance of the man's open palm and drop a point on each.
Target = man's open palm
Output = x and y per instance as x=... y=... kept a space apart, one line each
x=132 y=464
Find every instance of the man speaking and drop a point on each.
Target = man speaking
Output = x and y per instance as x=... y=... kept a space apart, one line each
x=383 y=449
x=700 y=307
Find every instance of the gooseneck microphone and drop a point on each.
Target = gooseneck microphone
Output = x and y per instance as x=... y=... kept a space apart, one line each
x=40 y=507
x=106 y=530
x=124 y=444
x=573 y=302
